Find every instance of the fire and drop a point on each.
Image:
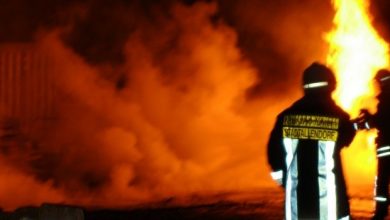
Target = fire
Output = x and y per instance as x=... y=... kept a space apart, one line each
x=356 y=53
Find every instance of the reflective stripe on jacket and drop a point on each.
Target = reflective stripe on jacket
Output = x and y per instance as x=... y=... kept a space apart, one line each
x=305 y=146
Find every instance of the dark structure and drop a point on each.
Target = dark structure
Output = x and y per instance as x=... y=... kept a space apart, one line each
x=27 y=94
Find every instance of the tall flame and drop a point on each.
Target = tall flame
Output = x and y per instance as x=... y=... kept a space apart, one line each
x=356 y=53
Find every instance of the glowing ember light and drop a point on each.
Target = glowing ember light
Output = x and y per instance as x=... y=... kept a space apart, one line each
x=356 y=53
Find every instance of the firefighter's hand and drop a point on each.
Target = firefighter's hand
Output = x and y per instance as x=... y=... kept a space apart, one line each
x=364 y=113
x=362 y=121
x=277 y=176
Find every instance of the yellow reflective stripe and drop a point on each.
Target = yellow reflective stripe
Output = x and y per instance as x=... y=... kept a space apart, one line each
x=310 y=133
x=311 y=121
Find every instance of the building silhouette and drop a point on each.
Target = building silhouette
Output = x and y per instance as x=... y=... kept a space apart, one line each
x=27 y=93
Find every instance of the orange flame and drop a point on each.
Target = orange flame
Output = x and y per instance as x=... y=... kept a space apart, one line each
x=356 y=53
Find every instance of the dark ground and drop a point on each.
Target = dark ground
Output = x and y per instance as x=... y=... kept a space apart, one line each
x=264 y=204
x=259 y=204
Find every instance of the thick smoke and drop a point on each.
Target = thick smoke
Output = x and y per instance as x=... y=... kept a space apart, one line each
x=160 y=100
x=288 y=32
x=381 y=17
x=174 y=126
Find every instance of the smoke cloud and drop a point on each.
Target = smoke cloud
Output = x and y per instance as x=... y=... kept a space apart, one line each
x=290 y=32
x=159 y=100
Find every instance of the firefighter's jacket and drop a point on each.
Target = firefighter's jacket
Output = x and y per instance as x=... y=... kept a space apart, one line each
x=381 y=120
x=304 y=154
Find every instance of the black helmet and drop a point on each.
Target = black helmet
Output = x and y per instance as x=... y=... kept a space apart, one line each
x=383 y=77
x=318 y=77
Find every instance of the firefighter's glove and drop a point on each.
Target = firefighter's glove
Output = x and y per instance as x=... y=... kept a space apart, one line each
x=362 y=121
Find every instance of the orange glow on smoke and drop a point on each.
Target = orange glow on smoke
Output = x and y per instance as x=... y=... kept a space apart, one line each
x=166 y=134
x=356 y=53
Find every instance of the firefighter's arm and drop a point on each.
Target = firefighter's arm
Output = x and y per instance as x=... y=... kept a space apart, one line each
x=276 y=153
x=347 y=132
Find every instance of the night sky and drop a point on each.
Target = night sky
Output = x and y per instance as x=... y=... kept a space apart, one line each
x=96 y=27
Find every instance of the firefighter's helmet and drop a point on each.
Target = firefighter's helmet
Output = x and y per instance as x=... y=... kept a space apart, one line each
x=383 y=77
x=318 y=77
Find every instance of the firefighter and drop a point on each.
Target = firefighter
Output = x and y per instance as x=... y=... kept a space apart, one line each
x=380 y=121
x=304 y=150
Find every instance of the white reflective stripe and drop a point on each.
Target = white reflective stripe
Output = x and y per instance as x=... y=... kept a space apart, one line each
x=376 y=186
x=355 y=126
x=345 y=218
x=330 y=181
x=383 y=154
x=383 y=151
x=288 y=146
x=376 y=197
x=367 y=125
x=277 y=175
x=383 y=148
x=380 y=199
x=322 y=180
x=315 y=85
x=291 y=205
x=385 y=78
